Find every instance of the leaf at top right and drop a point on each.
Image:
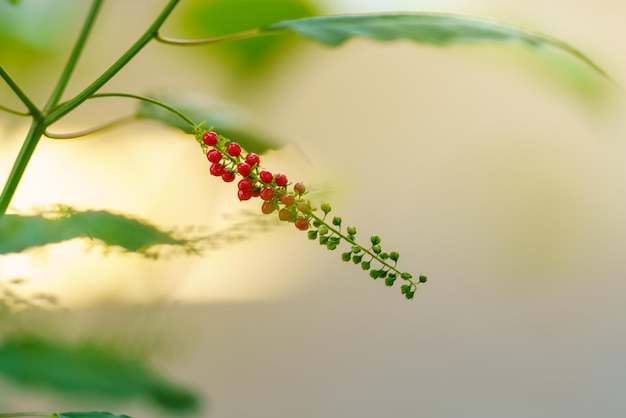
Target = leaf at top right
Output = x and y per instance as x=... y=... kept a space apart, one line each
x=432 y=28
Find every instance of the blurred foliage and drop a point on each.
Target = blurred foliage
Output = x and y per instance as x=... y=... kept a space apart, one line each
x=246 y=57
x=229 y=119
x=21 y=232
x=92 y=414
x=88 y=369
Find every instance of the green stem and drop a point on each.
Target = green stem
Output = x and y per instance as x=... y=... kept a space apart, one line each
x=26 y=414
x=109 y=125
x=28 y=147
x=365 y=250
x=149 y=100
x=199 y=42
x=148 y=35
x=22 y=96
x=13 y=111
x=73 y=59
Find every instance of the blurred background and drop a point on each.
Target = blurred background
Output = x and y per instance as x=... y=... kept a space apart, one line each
x=496 y=170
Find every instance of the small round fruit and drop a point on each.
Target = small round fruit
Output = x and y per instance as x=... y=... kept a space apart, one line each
x=243 y=195
x=214 y=156
x=267 y=193
x=252 y=159
x=285 y=215
x=244 y=169
x=245 y=185
x=299 y=187
x=268 y=207
x=266 y=176
x=233 y=149
x=287 y=200
x=217 y=169
x=228 y=176
x=302 y=224
x=210 y=138
x=304 y=207
x=281 y=180
x=255 y=192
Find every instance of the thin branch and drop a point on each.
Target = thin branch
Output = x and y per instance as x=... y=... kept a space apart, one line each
x=73 y=59
x=106 y=126
x=34 y=111
x=199 y=42
x=13 y=112
x=149 y=100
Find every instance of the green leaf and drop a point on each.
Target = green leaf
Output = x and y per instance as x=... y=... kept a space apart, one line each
x=431 y=28
x=91 y=414
x=227 y=119
x=21 y=232
x=89 y=370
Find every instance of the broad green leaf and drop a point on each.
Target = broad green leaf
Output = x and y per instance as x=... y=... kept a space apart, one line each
x=250 y=56
x=228 y=119
x=91 y=370
x=431 y=28
x=21 y=232
x=91 y=414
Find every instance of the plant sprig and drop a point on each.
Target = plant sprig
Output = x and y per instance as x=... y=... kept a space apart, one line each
x=229 y=160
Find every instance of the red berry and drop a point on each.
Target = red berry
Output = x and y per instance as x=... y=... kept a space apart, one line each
x=287 y=200
x=255 y=192
x=299 y=187
x=302 y=224
x=253 y=159
x=217 y=169
x=233 y=149
x=228 y=176
x=214 y=156
x=285 y=215
x=245 y=185
x=243 y=195
x=244 y=169
x=267 y=208
x=266 y=176
x=267 y=193
x=210 y=138
x=281 y=180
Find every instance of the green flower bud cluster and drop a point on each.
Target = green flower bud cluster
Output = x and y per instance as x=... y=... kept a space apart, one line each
x=229 y=160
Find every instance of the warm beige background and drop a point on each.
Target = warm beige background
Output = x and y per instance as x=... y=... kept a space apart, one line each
x=502 y=186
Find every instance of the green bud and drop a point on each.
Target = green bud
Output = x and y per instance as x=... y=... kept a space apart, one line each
x=356 y=259
x=384 y=256
x=312 y=234
x=337 y=221
x=336 y=239
x=346 y=256
x=375 y=239
x=351 y=230
x=423 y=279
x=325 y=207
x=323 y=239
x=356 y=249
x=376 y=249
x=316 y=223
x=406 y=276
x=389 y=281
x=382 y=274
x=365 y=265
x=405 y=289
x=331 y=245
x=323 y=230
x=409 y=295
x=374 y=274
x=394 y=255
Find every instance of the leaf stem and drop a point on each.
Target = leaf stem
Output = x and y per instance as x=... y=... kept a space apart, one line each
x=149 y=100
x=148 y=35
x=32 y=108
x=28 y=147
x=26 y=414
x=206 y=41
x=13 y=111
x=109 y=125
x=75 y=55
